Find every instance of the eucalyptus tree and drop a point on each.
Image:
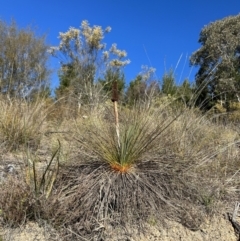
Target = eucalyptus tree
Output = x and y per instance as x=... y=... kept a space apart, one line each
x=218 y=58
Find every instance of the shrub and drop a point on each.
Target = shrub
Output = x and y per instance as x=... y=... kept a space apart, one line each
x=16 y=202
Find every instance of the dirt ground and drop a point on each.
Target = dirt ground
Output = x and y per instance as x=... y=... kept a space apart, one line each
x=218 y=228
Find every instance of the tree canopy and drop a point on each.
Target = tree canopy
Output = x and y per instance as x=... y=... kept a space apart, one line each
x=108 y=79
x=84 y=60
x=144 y=88
x=218 y=59
x=23 y=61
x=169 y=86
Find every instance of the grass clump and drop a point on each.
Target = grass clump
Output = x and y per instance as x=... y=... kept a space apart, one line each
x=123 y=180
x=139 y=131
x=25 y=193
x=16 y=202
x=21 y=123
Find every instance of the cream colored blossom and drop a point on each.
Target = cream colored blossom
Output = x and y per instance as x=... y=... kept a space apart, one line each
x=147 y=72
x=105 y=55
x=116 y=51
x=81 y=44
x=93 y=35
x=108 y=29
x=119 y=63
x=53 y=49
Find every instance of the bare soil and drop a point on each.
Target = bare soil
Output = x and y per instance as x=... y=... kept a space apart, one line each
x=218 y=228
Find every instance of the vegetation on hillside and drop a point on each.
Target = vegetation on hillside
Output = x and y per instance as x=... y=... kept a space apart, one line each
x=102 y=159
x=218 y=61
x=23 y=61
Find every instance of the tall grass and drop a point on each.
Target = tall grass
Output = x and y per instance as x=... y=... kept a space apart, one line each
x=21 y=122
x=149 y=172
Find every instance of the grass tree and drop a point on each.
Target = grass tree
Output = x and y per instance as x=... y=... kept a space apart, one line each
x=125 y=176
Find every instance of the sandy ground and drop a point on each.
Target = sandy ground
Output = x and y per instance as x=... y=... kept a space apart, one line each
x=218 y=228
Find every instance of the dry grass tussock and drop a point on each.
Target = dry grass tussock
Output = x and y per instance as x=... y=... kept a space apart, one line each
x=21 y=123
x=150 y=173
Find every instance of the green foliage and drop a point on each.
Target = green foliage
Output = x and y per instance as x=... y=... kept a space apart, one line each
x=109 y=78
x=185 y=92
x=218 y=59
x=23 y=60
x=67 y=76
x=136 y=90
x=41 y=181
x=138 y=133
x=140 y=91
x=182 y=94
x=168 y=84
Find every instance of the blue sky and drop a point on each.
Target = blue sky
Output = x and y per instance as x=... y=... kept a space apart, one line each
x=153 y=32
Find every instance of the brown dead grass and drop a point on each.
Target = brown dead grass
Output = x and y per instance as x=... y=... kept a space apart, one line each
x=192 y=171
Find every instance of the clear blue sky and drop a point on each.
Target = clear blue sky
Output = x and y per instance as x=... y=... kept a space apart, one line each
x=153 y=32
